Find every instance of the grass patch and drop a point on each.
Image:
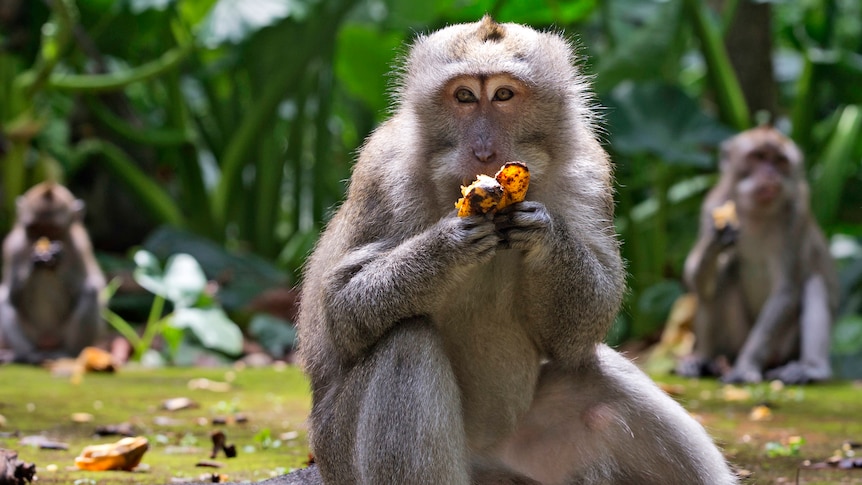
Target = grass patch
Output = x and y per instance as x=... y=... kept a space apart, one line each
x=276 y=402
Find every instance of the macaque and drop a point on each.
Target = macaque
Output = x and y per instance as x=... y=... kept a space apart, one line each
x=49 y=295
x=765 y=283
x=468 y=350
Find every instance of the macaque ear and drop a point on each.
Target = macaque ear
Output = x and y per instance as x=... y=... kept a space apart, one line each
x=23 y=214
x=79 y=209
x=724 y=156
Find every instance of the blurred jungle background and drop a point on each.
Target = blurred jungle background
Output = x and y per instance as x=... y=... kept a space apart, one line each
x=225 y=130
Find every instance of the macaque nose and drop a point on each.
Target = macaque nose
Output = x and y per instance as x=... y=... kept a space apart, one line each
x=485 y=154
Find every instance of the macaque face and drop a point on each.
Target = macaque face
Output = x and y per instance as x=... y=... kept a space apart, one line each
x=48 y=212
x=765 y=169
x=484 y=110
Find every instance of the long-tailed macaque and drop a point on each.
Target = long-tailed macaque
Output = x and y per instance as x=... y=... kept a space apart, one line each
x=467 y=350
x=49 y=295
x=766 y=287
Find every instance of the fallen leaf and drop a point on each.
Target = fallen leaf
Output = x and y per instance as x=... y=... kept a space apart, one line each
x=43 y=443
x=206 y=384
x=178 y=403
x=734 y=393
x=82 y=417
x=122 y=429
x=760 y=413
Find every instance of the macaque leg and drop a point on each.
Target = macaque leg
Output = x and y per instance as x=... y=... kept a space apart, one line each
x=610 y=423
x=815 y=325
x=13 y=337
x=402 y=407
x=720 y=326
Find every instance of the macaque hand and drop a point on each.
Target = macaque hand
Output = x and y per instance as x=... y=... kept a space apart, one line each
x=473 y=239
x=523 y=225
x=693 y=366
x=725 y=221
x=726 y=236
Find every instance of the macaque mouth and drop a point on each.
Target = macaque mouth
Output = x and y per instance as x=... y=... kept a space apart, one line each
x=767 y=193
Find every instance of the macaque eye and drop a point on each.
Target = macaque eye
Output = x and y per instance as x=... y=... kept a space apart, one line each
x=503 y=94
x=759 y=155
x=464 y=95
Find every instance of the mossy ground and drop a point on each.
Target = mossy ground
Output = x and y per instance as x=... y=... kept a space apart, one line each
x=277 y=400
x=36 y=403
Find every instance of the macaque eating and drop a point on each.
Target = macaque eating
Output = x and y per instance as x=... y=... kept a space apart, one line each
x=761 y=270
x=468 y=350
x=49 y=295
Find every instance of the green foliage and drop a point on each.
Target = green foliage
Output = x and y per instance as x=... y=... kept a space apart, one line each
x=791 y=448
x=232 y=124
x=196 y=314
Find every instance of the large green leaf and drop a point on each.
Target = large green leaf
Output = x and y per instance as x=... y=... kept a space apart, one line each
x=663 y=121
x=212 y=327
x=184 y=279
x=138 y=6
x=148 y=273
x=233 y=21
x=241 y=276
x=847 y=335
x=182 y=282
x=277 y=336
x=645 y=34
x=364 y=61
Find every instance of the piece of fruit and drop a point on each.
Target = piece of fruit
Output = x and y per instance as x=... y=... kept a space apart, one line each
x=725 y=216
x=125 y=454
x=515 y=179
x=480 y=197
x=488 y=194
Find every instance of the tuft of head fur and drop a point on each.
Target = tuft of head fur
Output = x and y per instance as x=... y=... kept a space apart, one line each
x=539 y=59
x=490 y=30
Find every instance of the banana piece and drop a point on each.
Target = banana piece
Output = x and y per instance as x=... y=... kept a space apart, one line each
x=488 y=194
x=725 y=216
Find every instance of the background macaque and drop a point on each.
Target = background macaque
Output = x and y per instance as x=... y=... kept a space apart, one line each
x=457 y=350
x=49 y=296
x=766 y=288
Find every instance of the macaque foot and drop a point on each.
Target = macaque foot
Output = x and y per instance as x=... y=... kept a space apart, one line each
x=798 y=373
x=691 y=366
x=6 y=356
x=742 y=376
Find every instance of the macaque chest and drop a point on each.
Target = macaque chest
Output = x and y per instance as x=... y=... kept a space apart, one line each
x=496 y=363
x=756 y=275
x=47 y=319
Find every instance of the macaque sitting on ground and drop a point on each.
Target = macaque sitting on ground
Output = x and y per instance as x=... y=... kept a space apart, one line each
x=761 y=269
x=49 y=295
x=468 y=350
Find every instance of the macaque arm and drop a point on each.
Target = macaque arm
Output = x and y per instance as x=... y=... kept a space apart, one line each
x=574 y=279
x=16 y=264
x=701 y=265
x=375 y=286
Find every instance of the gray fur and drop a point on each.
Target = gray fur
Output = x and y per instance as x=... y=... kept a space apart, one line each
x=60 y=302
x=428 y=337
